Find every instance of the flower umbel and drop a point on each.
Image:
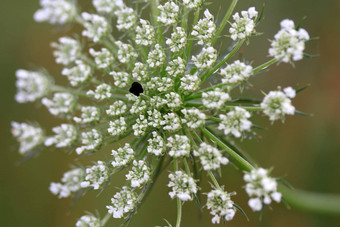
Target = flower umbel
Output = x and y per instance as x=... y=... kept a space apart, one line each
x=155 y=88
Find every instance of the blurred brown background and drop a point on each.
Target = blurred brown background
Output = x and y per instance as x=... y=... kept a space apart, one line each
x=305 y=149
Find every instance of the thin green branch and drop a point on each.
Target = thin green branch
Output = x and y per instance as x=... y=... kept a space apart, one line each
x=224 y=21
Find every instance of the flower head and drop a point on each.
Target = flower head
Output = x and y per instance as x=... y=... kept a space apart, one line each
x=220 y=206
x=56 y=11
x=182 y=185
x=244 y=25
x=88 y=221
x=235 y=122
x=288 y=44
x=123 y=202
x=96 y=176
x=71 y=182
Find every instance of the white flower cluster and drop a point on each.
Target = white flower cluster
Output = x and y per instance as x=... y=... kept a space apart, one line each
x=117 y=127
x=288 y=44
x=96 y=176
x=91 y=141
x=123 y=202
x=88 y=221
x=65 y=135
x=71 y=182
x=215 y=99
x=176 y=67
x=79 y=74
x=244 y=25
x=31 y=85
x=67 y=51
x=211 y=158
x=126 y=52
x=139 y=175
x=145 y=34
x=276 y=104
x=126 y=18
x=235 y=122
x=62 y=104
x=178 y=40
x=205 y=59
x=205 y=29
x=56 y=11
x=261 y=188
x=193 y=118
x=97 y=27
x=221 y=206
x=89 y=114
x=140 y=72
x=182 y=185
x=156 y=144
x=156 y=57
x=179 y=146
x=117 y=108
x=190 y=83
x=103 y=58
x=28 y=135
x=103 y=91
x=123 y=156
x=193 y=4
x=107 y=6
x=168 y=13
x=236 y=72
x=121 y=79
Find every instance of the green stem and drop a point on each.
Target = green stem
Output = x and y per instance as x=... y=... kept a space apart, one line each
x=186 y=165
x=179 y=212
x=264 y=65
x=225 y=59
x=311 y=202
x=212 y=177
x=224 y=21
x=239 y=161
x=105 y=219
x=197 y=13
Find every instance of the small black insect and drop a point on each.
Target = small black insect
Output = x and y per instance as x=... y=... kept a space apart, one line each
x=136 y=88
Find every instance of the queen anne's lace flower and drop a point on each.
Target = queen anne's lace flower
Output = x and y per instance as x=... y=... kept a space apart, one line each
x=107 y=6
x=65 y=136
x=91 y=141
x=176 y=67
x=28 y=135
x=88 y=221
x=205 y=59
x=117 y=108
x=123 y=156
x=236 y=72
x=178 y=40
x=139 y=175
x=193 y=118
x=56 y=11
x=214 y=99
x=31 y=85
x=220 y=206
x=261 y=188
x=168 y=13
x=102 y=92
x=235 y=122
x=156 y=84
x=145 y=34
x=70 y=183
x=117 y=127
x=62 y=104
x=192 y=4
x=244 y=25
x=179 y=146
x=156 y=144
x=96 y=176
x=276 y=104
x=211 y=158
x=123 y=202
x=182 y=185
x=97 y=27
x=156 y=57
x=126 y=52
x=79 y=74
x=89 y=114
x=288 y=44
x=103 y=58
x=205 y=29
x=127 y=18
x=67 y=51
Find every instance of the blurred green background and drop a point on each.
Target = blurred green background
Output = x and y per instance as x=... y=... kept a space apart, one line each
x=305 y=149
